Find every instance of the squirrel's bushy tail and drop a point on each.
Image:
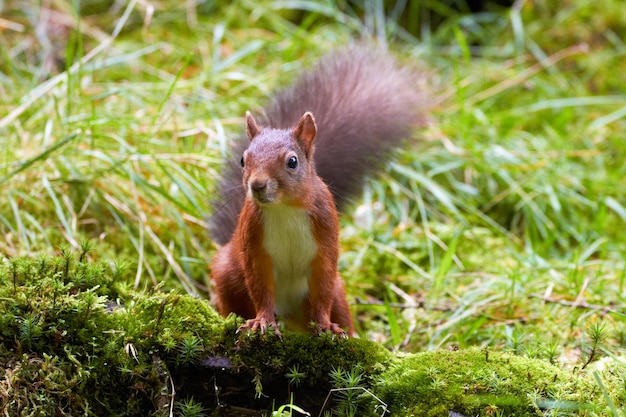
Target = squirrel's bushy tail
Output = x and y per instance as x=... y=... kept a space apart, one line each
x=364 y=105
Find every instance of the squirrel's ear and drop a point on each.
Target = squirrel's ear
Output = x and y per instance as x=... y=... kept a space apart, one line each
x=305 y=132
x=252 y=129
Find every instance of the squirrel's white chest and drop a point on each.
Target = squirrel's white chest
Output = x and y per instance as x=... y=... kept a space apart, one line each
x=289 y=241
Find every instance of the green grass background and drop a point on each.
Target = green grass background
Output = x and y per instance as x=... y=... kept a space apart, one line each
x=503 y=225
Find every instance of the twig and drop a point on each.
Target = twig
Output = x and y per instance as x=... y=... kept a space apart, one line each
x=621 y=310
x=416 y=304
x=581 y=294
x=8 y=24
x=382 y=406
x=548 y=292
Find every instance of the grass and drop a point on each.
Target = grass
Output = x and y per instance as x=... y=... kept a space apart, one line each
x=503 y=226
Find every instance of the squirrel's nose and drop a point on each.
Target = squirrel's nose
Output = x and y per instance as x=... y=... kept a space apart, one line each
x=261 y=188
x=258 y=185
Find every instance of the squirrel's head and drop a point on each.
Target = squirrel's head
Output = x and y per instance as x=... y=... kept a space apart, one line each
x=278 y=162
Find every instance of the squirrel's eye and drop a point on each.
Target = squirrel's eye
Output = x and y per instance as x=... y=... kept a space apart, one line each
x=242 y=163
x=292 y=163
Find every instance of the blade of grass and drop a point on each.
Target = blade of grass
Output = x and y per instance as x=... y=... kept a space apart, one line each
x=19 y=227
x=41 y=157
x=186 y=282
x=403 y=258
x=121 y=213
x=609 y=118
x=561 y=103
x=170 y=90
x=392 y=320
x=326 y=8
x=58 y=208
x=446 y=262
x=439 y=192
x=181 y=182
x=250 y=48
x=606 y=395
x=614 y=205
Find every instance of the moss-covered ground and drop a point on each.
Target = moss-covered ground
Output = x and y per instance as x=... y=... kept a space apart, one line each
x=75 y=340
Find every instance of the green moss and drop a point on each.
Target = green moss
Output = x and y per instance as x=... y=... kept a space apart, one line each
x=60 y=342
x=478 y=382
x=315 y=356
x=75 y=341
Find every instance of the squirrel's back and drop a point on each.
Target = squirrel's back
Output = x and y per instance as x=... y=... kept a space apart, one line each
x=364 y=104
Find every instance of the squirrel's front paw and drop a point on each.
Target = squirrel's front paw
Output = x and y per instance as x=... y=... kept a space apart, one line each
x=261 y=324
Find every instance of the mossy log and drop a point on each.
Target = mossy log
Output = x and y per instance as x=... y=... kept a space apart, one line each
x=74 y=340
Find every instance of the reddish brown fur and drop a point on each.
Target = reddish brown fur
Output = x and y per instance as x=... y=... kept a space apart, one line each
x=243 y=269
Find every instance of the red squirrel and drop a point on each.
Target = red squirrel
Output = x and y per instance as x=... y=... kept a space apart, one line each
x=279 y=225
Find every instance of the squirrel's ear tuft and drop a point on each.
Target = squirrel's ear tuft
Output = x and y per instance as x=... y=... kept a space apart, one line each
x=252 y=129
x=305 y=132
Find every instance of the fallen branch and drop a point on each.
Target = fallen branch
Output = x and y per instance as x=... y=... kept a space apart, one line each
x=416 y=304
x=621 y=310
